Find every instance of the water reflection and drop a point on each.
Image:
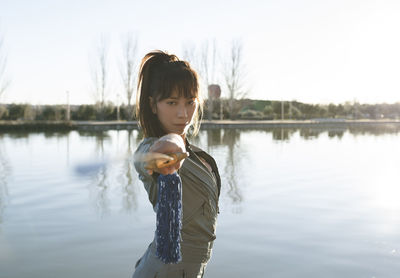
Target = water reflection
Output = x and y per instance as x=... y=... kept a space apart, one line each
x=229 y=138
x=336 y=132
x=56 y=134
x=214 y=138
x=5 y=172
x=310 y=133
x=120 y=173
x=98 y=188
x=333 y=131
x=376 y=130
x=128 y=179
x=281 y=134
x=322 y=204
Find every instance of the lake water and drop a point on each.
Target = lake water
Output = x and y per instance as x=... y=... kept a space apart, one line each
x=294 y=203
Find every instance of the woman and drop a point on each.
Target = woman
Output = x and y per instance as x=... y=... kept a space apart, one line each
x=168 y=109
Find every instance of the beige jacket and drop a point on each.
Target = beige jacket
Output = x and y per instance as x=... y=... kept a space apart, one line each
x=200 y=194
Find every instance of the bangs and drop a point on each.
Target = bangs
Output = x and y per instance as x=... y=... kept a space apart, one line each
x=182 y=81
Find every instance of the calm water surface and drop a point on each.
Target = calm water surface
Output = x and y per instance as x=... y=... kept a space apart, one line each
x=294 y=203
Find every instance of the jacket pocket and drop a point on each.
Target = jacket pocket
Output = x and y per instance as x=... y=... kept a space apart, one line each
x=199 y=228
x=190 y=213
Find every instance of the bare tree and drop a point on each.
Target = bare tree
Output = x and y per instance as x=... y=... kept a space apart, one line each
x=4 y=81
x=189 y=54
x=128 y=67
x=208 y=67
x=234 y=76
x=208 y=55
x=100 y=73
x=203 y=59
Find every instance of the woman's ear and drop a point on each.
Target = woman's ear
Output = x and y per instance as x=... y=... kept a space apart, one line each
x=153 y=106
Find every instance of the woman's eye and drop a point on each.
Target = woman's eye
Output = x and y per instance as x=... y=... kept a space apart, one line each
x=171 y=102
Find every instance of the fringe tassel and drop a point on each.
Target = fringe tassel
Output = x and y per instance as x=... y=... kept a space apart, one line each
x=169 y=218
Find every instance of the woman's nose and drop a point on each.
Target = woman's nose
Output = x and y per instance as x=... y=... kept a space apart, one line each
x=182 y=111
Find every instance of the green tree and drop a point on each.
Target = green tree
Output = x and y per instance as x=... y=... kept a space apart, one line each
x=16 y=111
x=84 y=113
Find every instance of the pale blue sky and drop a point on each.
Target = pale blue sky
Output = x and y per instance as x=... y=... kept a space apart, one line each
x=310 y=51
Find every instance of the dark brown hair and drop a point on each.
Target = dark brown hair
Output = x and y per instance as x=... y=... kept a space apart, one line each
x=160 y=75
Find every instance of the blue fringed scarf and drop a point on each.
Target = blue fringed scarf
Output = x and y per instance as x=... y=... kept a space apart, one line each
x=169 y=218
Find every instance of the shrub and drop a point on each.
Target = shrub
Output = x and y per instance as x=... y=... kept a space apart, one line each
x=17 y=111
x=251 y=114
x=84 y=113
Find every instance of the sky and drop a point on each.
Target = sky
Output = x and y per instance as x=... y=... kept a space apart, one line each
x=311 y=51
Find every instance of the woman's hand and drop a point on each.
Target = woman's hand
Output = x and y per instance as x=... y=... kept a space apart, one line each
x=170 y=143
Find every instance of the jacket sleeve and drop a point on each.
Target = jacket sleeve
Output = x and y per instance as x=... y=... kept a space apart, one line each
x=149 y=181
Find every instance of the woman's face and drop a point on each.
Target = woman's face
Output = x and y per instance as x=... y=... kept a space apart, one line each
x=176 y=113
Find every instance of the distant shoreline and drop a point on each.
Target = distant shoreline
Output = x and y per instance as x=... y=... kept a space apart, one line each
x=132 y=125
